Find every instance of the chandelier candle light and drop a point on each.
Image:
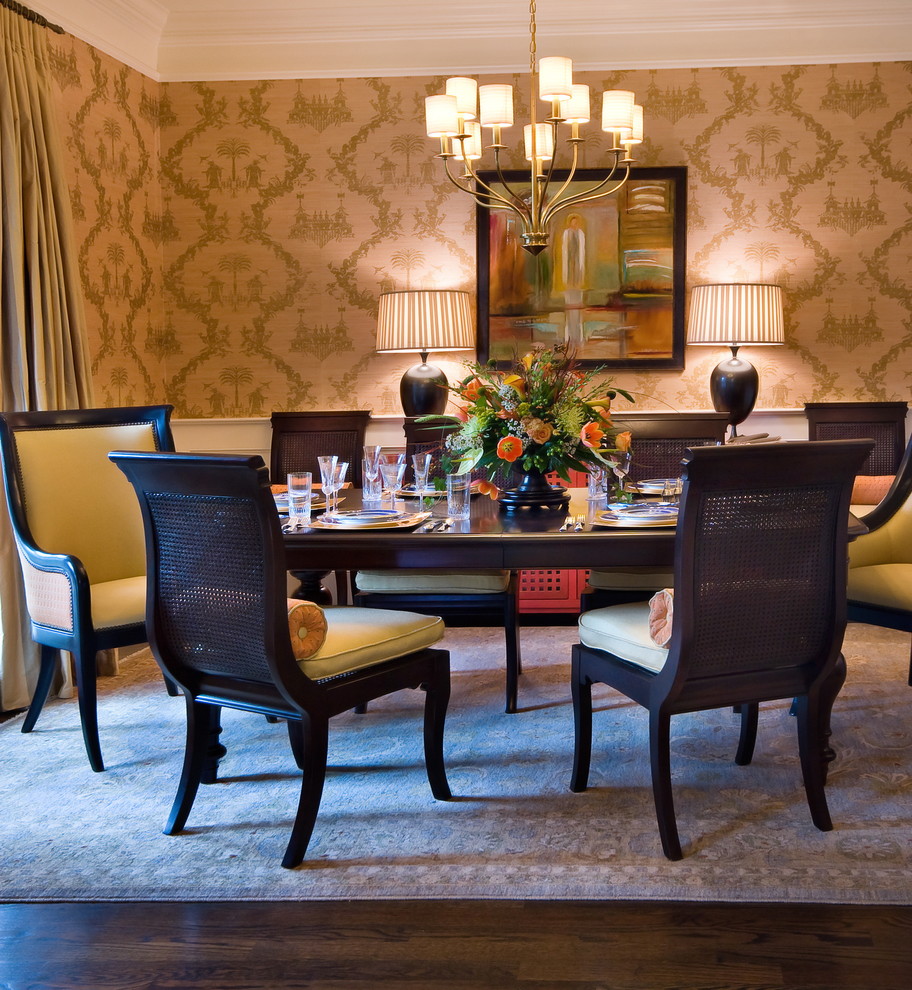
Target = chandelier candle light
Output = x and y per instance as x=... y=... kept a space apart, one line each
x=458 y=116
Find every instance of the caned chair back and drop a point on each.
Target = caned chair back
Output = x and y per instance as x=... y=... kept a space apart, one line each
x=427 y=436
x=660 y=440
x=760 y=564
x=299 y=438
x=216 y=600
x=882 y=422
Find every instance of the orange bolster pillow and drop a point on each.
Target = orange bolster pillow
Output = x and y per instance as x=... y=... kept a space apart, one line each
x=661 y=613
x=306 y=626
x=870 y=490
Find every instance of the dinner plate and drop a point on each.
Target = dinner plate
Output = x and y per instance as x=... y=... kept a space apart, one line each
x=654 y=486
x=619 y=514
x=410 y=491
x=408 y=520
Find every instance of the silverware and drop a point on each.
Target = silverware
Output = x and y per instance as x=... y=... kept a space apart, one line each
x=445 y=526
x=579 y=524
x=566 y=524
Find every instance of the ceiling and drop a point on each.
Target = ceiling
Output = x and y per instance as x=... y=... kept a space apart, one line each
x=275 y=39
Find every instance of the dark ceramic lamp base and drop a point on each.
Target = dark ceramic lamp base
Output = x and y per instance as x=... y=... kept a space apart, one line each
x=734 y=385
x=423 y=390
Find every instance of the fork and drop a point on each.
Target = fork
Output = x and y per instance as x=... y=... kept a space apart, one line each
x=579 y=524
x=566 y=524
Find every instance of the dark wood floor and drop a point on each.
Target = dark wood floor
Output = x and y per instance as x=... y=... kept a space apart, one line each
x=466 y=945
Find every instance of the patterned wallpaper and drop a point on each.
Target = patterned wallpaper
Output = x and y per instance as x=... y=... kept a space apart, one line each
x=235 y=235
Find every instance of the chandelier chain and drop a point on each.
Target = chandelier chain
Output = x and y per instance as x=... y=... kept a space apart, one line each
x=532 y=49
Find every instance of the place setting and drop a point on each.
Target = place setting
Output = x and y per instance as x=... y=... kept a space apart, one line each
x=637 y=514
x=365 y=519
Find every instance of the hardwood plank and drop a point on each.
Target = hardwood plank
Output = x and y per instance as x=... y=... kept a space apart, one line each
x=460 y=945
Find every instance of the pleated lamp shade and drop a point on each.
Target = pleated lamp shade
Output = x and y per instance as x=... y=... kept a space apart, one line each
x=425 y=320
x=736 y=313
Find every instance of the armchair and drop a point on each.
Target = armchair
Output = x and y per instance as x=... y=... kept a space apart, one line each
x=880 y=562
x=78 y=531
x=759 y=611
x=218 y=627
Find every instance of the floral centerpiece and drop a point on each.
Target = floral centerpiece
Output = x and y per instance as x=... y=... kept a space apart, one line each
x=543 y=415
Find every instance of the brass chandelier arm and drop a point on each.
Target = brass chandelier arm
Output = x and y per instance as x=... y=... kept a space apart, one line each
x=489 y=198
x=587 y=195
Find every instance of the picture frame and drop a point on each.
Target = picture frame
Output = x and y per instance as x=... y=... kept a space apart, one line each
x=610 y=283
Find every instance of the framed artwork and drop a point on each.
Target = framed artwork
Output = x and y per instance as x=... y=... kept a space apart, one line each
x=610 y=283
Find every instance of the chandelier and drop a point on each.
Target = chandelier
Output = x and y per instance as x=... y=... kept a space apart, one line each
x=458 y=116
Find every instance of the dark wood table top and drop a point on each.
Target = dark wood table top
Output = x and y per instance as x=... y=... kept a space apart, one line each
x=491 y=538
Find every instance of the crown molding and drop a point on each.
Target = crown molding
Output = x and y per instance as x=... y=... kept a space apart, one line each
x=198 y=40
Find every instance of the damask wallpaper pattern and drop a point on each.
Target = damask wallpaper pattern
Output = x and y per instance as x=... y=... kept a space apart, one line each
x=235 y=235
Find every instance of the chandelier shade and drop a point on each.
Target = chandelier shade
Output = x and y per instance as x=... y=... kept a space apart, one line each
x=424 y=320
x=534 y=201
x=734 y=314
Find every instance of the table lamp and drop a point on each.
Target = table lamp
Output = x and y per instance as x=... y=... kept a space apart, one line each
x=734 y=314
x=424 y=320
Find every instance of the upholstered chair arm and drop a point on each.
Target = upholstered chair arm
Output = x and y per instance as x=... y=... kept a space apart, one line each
x=56 y=587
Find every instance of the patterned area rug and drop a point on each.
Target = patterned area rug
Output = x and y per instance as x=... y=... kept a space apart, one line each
x=514 y=830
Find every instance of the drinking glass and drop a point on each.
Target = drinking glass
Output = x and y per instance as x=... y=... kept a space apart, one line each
x=421 y=465
x=458 y=492
x=327 y=464
x=338 y=482
x=371 y=488
x=597 y=480
x=620 y=466
x=392 y=468
x=300 y=487
x=671 y=490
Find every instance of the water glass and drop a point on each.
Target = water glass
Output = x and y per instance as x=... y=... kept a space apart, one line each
x=371 y=462
x=371 y=484
x=597 y=480
x=300 y=487
x=458 y=496
x=672 y=489
x=421 y=466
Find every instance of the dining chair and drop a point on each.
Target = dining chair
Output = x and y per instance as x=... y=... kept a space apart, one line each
x=298 y=439
x=218 y=626
x=659 y=443
x=467 y=597
x=79 y=535
x=883 y=422
x=880 y=562
x=759 y=611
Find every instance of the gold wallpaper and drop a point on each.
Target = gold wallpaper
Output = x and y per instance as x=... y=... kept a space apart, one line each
x=235 y=235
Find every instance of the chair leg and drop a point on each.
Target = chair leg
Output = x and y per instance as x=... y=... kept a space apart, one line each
x=910 y=666
x=50 y=657
x=201 y=720
x=812 y=720
x=173 y=690
x=513 y=649
x=437 y=697
x=87 y=694
x=581 y=692
x=660 y=762
x=315 y=744
x=748 y=738
x=296 y=738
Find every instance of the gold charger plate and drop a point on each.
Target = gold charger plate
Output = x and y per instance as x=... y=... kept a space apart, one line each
x=407 y=522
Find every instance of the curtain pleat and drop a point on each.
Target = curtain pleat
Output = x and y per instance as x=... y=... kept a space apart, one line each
x=44 y=360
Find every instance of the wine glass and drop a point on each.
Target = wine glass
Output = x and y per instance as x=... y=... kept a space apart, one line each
x=338 y=482
x=392 y=468
x=327 y=463
x=620 y=466
x=421 y=465
x=370 y=468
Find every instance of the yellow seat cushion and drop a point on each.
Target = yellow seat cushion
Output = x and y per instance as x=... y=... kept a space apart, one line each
x=361 y=637
x=630 y=579
x=887 y=585
x=623 y=630
x=433 y=581
x=119 y=603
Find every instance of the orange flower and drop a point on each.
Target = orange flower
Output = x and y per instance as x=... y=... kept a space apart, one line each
x=509 y=449
x=622 y=441
x=471 y=390
x=488 y=488
x=591 y=435
x=528 y=360
x=539 y=431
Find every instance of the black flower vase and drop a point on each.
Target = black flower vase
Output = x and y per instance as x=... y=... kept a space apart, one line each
x=533 y=492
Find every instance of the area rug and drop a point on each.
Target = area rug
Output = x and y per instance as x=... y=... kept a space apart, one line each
x=514 y=829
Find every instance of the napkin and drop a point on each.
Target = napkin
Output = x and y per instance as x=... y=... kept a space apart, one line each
x=306 y=626
x=661 y=613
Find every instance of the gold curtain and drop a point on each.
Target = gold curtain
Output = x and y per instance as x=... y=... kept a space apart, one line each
x=44 y=360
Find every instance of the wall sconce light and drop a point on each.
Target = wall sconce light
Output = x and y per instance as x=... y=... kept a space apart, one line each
x=734 y=314
x=424 y=320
